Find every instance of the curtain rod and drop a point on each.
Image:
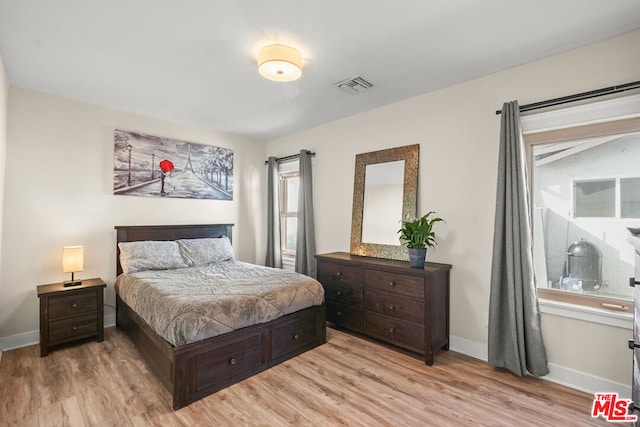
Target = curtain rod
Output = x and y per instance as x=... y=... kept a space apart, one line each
x=291 y=157
x=578 y=96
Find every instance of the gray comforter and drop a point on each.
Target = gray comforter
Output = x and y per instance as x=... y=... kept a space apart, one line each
x=191 y=304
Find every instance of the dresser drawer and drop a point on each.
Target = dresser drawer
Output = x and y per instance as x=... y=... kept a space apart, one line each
x=72 y=305
x=346 y=316
x=228 y=361
x=343 y=293
x=395 y=331
x=332 y=272
x=411 y=310
x=72 y=328
x=401 y=284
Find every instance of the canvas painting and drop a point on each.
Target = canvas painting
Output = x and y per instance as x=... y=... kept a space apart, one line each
x=153 y=166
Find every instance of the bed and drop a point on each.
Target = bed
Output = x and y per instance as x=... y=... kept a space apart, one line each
x=190 y=366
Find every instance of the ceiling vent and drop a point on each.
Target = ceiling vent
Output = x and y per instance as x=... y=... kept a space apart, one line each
x=354 y=86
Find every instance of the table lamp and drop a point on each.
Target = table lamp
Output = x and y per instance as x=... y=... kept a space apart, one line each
x=72 y=259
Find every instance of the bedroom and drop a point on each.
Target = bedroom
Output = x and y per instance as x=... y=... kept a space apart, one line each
x=58 y=191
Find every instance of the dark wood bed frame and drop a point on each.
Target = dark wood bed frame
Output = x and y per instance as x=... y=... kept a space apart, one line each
x=193 y=371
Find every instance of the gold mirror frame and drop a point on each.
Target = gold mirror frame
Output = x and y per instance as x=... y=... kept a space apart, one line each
x=410 y=155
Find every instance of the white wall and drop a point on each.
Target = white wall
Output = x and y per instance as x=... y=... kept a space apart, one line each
x=458 y=133
x=4 y=96
x=59 y=191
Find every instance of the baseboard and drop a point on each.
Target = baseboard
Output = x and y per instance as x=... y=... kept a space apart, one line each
x=20 y=340
x=31 y=338
x=557 y=374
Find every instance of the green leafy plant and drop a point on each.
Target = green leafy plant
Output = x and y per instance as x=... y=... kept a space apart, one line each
x=418 y=233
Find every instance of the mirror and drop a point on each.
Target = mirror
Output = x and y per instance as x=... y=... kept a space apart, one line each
x=384 y=192
x=382 y=205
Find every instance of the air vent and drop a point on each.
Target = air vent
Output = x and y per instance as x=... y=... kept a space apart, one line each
x=354 y=86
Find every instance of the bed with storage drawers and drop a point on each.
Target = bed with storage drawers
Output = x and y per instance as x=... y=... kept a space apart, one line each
x=204 y=320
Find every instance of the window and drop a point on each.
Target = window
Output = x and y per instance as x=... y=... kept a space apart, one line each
x=585 y=187
x=630 y=197
x=594 y=198
x=607 y=198
x=289 y=183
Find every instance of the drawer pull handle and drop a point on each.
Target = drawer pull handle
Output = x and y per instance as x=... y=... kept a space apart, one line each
x=339 y=273
x=392 y=307
x=338 y=293
x=74 y=304
x=339 y=314
x=74 y=327
x=392 y=283
x=233 y=361
x=296 y=337
x=392 y=330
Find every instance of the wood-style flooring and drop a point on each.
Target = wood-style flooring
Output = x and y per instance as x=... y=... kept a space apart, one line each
x=348 y=381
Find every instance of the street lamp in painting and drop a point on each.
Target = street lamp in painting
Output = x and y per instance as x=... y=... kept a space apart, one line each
x=129 y=147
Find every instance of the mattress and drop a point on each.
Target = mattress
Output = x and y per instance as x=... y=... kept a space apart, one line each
x=187 y=305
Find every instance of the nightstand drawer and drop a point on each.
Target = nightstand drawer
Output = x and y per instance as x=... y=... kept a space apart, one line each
x=411 y=310
x=72 y=305
x=72 y=328
x=401 y=284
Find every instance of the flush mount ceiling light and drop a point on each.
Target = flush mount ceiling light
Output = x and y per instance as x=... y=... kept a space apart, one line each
x=280 y=63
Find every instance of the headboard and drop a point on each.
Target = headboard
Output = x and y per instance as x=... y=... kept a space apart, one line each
x=136 y=233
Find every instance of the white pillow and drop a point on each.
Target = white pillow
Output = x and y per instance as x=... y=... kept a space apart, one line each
x=150 y=255
x=206 y=251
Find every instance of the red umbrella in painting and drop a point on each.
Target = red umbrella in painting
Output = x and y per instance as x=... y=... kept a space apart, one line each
x=166 y=166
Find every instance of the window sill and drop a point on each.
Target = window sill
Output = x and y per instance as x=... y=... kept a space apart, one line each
x=288 y=263
x=589 y=314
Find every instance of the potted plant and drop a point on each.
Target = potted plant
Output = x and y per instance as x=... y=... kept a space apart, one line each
x=417 y=235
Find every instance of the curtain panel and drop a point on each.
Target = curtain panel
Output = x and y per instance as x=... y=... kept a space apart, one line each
x=306 y=238
x=515 y=334
x=274 y=251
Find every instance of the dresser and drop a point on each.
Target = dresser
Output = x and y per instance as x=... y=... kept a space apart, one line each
x=388 y=300
x=70 y=313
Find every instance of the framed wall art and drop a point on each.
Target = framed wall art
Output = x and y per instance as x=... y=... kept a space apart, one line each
x=153 y=166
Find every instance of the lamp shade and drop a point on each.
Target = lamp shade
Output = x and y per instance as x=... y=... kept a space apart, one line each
x=72 y=259
x=279 y=63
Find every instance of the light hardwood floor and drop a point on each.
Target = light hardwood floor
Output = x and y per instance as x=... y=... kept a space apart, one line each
x=348 y=381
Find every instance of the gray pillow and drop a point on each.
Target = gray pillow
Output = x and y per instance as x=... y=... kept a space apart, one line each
x=206 y=251
x=150 y=255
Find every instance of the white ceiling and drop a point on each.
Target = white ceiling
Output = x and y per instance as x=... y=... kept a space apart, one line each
x=194 y=61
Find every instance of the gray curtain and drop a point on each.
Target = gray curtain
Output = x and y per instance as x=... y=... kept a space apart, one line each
x=515 y=335
x=306 y=239
x=274 y=253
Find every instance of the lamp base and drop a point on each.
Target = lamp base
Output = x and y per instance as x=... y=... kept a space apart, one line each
x=68 y=283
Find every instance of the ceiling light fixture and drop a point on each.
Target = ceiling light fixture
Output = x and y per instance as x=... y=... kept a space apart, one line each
x=280 y=63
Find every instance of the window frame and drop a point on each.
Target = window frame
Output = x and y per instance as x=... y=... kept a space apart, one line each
x=288 y=256
x=532 y=138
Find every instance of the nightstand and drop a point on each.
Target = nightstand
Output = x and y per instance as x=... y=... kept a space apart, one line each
x=70 y=313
